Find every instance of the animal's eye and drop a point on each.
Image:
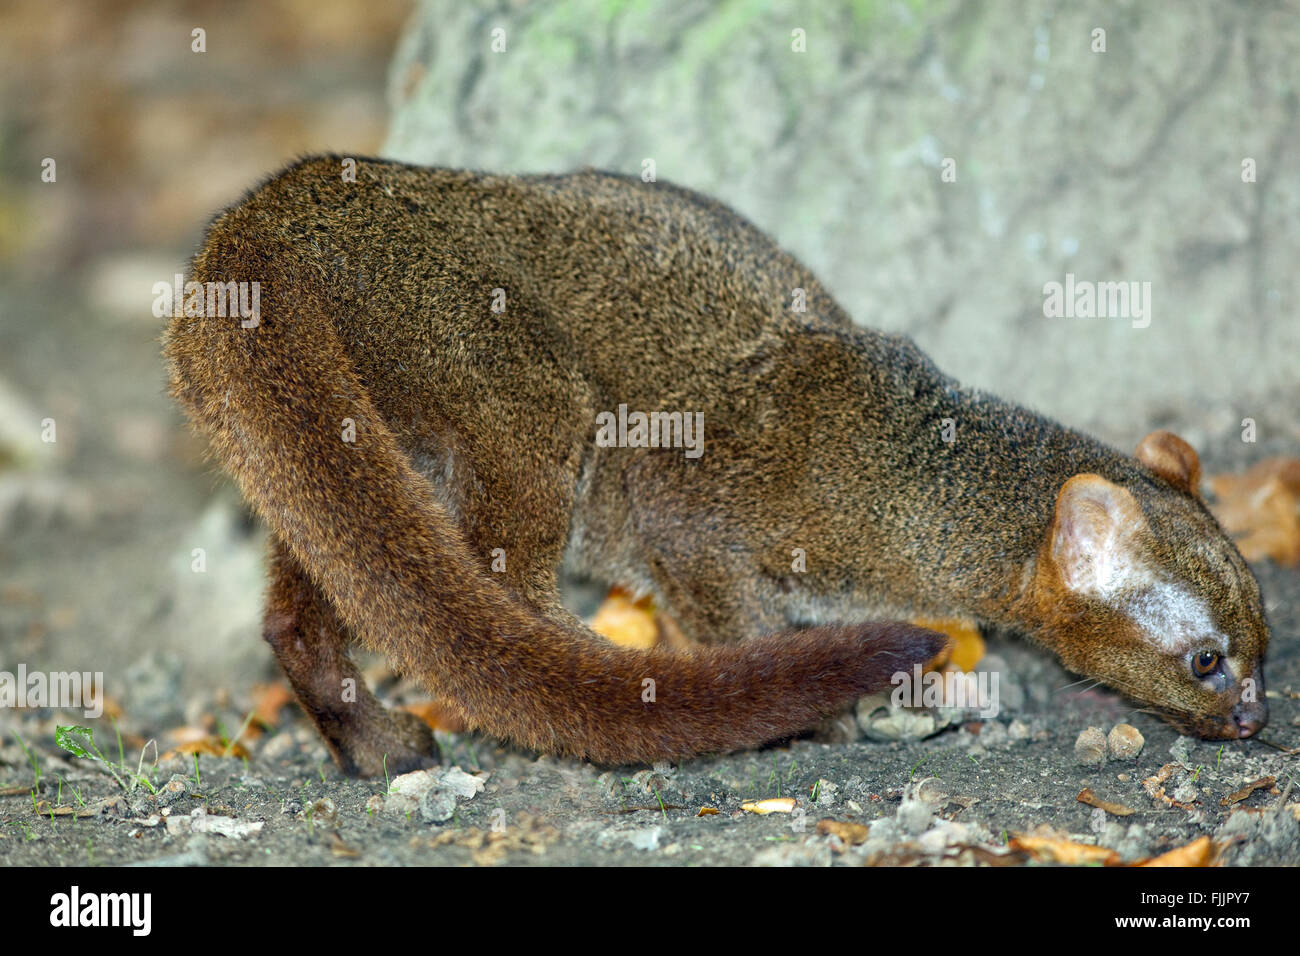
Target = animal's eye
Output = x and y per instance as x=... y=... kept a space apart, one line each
x=1205 y=663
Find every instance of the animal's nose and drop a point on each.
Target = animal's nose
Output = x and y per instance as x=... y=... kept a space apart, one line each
x=1250 y=717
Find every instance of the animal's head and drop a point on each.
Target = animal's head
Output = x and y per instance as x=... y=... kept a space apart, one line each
x=1142 y=589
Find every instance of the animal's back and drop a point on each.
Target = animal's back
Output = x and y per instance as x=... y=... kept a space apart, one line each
x=624 y=282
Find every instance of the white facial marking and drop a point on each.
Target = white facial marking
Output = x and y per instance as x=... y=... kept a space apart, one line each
x=1174 y=619
x=1104 y=570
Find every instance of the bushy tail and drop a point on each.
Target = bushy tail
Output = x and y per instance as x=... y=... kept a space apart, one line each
x=370 y=533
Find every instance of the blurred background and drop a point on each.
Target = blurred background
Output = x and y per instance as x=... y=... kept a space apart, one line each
x=149 y=139
x=936 y=163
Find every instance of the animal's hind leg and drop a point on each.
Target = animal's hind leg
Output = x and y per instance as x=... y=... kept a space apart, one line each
x=311 y=644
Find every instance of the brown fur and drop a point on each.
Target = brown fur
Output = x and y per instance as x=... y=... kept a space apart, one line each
x=475 y=431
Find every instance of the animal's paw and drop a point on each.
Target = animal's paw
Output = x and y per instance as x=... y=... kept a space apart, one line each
x=401 y=743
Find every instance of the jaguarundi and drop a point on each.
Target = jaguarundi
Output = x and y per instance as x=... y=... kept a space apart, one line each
x=414 y=412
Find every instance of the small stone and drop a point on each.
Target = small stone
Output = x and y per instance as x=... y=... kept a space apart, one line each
x=114 y=806
x=460 y=783
x=1124 y=742
x=1090 y=747
x=647 y=839
x=827 y=793
x=412 y=784
x=437 y=805
x=1181 y=749
x=1018 y=730
x=323 y=811
x=1135 y=843
x=173 y=790
x=201 y=822
x=881 y=721
x=432 y=792
x=609 y=784
x=930 y=791
x=914 y=816
x=1185 y=792
x=649 y=781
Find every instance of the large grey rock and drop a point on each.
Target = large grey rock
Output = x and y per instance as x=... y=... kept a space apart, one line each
x=1123 y=165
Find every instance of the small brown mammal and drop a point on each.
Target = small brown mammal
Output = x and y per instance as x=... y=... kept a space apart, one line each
x=415 y=412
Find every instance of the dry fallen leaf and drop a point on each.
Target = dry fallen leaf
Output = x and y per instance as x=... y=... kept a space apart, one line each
x=1238 y=795
x=1200 y=852
x=771 y=805
x=269 y=700
x=1155 y=786
x=45 y=809
x=707 y=812
x=1092 y=800
x=1052 y=850
x=1261 y=509
x=194 y=740
x=851 y=834
x=967 y=648
x=626 y=621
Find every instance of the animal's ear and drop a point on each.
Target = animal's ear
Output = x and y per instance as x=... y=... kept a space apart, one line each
x=1172 y=459
x=1092 y=535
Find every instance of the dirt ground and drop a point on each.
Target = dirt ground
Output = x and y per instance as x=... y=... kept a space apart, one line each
x=88 y=558
x=956 y=797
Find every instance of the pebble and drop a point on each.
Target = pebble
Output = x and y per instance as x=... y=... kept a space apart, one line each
x=1185 y=792
x=433 y=793
x=647 y=839
x=827 y=793
x=914 y=816
x=881 y=721
x=1090 y=747
x=1124 y=742
x=173 y=790
x=324 y=811
x=437 y=805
